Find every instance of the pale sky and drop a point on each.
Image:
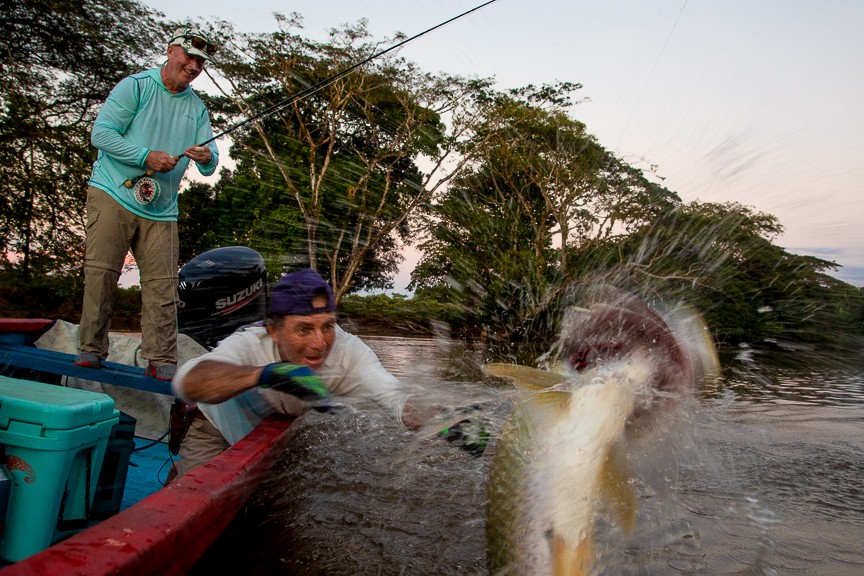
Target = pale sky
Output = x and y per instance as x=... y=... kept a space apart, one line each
x=760 y=102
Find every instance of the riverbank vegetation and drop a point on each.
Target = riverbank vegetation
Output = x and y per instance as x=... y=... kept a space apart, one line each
x=514 y=205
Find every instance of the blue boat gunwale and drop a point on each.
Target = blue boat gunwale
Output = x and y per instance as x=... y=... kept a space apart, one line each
x=17 y=350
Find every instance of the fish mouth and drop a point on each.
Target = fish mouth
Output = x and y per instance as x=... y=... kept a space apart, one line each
x=617 y=324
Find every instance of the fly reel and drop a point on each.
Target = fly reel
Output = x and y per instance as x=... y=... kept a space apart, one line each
x=147 y=190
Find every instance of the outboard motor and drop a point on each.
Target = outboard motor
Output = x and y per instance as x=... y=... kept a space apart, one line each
x=220 y=291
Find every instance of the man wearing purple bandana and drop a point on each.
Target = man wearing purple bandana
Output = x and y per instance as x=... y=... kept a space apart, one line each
x=297 y=360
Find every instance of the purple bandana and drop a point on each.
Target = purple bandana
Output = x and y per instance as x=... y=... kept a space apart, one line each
x=294 y=292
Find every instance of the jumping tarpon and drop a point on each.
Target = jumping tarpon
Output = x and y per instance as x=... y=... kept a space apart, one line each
x=561 y=458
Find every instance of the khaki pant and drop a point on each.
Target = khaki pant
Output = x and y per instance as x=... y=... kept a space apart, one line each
x=203 y=442
x=111 y=232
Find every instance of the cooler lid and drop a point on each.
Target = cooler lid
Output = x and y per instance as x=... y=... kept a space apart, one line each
x=51 y=406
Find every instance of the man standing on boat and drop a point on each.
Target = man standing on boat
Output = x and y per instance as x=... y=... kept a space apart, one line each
x=296 y=360
x=147 y=121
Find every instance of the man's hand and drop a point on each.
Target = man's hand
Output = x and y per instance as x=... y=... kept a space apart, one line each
x=200 y=154
x=161 y=161
x=299 y=381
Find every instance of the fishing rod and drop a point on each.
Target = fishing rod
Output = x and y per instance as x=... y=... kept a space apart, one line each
x=147 y=189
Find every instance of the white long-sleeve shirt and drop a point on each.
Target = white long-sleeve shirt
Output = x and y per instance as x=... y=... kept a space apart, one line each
x=351 y=369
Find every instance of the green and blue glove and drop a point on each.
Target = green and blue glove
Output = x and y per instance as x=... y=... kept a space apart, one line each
x=466 y=434
x=297 y=380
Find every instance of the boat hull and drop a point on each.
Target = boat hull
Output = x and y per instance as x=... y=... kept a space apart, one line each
x=169 y=531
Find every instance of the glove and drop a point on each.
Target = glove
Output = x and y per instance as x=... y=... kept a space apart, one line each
x=469 y=436
x=299 y=381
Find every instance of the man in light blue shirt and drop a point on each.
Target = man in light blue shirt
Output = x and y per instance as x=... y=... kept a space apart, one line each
x=150 y=125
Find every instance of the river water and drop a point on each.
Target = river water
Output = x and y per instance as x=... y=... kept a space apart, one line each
x=763 y=474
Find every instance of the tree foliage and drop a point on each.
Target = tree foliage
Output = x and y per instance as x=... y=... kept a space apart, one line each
x=544 y=211
x=539 y=188
x=329 y=180
x=721 y=258
x=59 y=61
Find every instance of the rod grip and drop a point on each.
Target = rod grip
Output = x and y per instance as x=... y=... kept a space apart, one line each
x=131 y=182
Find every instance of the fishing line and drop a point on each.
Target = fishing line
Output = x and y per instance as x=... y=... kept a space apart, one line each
x=152 y=442
x=151 y=187
x=653 y=70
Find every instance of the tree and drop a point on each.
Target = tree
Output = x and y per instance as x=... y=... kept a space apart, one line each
x=330 y=180
x=540 y=187
x=721 y=259
x=59 y=61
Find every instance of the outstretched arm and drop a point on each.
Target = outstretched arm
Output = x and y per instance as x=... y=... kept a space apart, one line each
x=212 y=381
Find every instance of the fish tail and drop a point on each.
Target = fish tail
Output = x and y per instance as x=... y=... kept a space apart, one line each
x=572 y=561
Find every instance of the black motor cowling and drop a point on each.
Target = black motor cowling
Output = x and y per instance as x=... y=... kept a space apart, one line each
x=220 y=291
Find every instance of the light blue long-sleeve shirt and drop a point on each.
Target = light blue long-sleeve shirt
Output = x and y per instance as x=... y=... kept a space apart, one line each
x=141 y=115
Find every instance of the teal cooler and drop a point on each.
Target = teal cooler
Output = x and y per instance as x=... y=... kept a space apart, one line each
x=54 y=440
x=115 y=467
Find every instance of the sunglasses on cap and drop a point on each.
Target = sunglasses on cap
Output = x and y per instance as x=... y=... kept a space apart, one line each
x=199 y=44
